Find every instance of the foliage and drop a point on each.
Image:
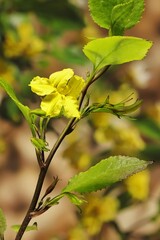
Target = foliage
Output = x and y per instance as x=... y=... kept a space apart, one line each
x=3 y=224
x=105 y=173
x=115 y=50
x=29 y=228
x=116 y=16
x=65 y=95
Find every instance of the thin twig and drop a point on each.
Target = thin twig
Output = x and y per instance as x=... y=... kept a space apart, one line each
x=42 y=174
x=43 y=171
x=92 y=79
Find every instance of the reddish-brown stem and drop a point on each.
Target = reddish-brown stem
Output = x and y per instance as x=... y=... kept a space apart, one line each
x=44 y=168
x=40 y=181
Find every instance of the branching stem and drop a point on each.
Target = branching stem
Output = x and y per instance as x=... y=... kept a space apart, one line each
x=92 y=79
x=43 y=170
x=41 y=178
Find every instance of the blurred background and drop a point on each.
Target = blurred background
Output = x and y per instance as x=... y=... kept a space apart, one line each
x=39 y=37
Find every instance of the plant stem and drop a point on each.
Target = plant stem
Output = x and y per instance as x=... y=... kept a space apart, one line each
x=92 y=79
x=43 y=171
x=33 y=204
x=68 y=129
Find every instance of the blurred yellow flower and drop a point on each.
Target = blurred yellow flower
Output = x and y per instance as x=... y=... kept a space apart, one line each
x=78 y=155
x=122 y=139
x=7 y=71
x=77 y=233
x=138 y=185
x=3 y=145
x=23 y=42
x=119 y=135
x=60 y=91
x=98 y=211
x=84 y=161
x=103 y=119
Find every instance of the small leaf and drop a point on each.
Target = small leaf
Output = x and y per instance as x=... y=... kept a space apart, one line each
x=40 y=144
x=75 y=199
x=24 y=109
x=3 y=224
x=120 y=17
x=101 y=11
x=105 y=173
x=29 y=228
x=38 y=112
x=53 y=201
x=116 y=50
x=51 y=187
x=121 y=109
x=117 y=14
x=44 y=206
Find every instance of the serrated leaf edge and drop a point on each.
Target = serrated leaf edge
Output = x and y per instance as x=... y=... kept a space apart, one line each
x=75 y=176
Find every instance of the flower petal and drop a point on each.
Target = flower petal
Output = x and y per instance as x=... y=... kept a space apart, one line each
x=75 y=86
x=52 y=104
x=59 y=79
x=41 y=86
x=56 y=104
x=70 y=108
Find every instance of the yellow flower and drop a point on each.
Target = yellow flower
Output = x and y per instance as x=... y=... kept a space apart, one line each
x=84 y=161
x=127 y=135
x=77 y=153
x=77 y=233
x=3 y=145
x=23 y=42
x=109 y=208
x=138 y=185
x=118 y=136
x=60 y=91
x=7 y=71
x=98 y=211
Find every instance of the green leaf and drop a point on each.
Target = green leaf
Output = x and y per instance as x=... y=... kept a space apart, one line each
x=3 y=224
x=75 y=199
x=120 y=17
x=121 y=109
x=29 y=228
x=116 y=50
x=40 y=144
x=38 y=112
x=24 y=109
x=105 y=173
x=117 y=14
x=53 y=201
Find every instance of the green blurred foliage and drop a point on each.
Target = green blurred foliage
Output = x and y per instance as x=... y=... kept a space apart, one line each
x=60 y=15
x=30 y=40
x=106 y=134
